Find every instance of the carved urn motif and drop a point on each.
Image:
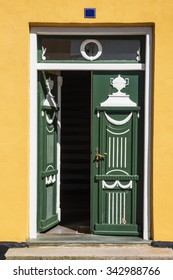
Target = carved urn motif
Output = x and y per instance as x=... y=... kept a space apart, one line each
x=119 y=83
x=118 y=99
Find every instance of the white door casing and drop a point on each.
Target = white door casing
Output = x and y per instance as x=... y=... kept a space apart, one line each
x=34 y=67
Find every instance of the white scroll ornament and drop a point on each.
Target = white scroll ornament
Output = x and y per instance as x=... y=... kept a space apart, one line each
x=116 y=184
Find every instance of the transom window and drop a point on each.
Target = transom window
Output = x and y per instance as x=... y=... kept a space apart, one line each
x=88 y=49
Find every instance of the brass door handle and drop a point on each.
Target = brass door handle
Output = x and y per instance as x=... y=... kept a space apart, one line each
x=99 y=157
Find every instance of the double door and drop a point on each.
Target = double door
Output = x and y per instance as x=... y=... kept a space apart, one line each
x=115 y=180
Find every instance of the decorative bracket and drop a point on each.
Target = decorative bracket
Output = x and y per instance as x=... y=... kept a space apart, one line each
x=50 y=86
x=138 y=55
x=49 y=102
x=43 y=53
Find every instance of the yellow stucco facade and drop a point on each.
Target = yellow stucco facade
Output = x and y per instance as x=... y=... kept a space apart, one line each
x=16 y=20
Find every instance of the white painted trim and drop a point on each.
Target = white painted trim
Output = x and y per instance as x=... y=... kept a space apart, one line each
x=33 y=138
x=109 y=208
x=120 y=206
x=116 y=197
x=121 y=152
x=34 y=66
x=117 y=164
x=147 y=137
x=117 y=170
x=113 y=211
x=91 y=66
x=125 y=152
x=59 y=85
x=113 y=152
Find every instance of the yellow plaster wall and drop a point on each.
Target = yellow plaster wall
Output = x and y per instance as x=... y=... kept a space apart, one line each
x=15 y=19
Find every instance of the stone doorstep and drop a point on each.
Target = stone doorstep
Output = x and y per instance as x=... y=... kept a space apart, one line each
x=134 y=252
x=85 y=240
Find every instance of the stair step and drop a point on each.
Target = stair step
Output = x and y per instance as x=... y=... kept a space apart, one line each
x=69 y=252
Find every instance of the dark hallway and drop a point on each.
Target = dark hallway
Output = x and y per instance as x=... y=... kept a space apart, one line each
x=75 y=148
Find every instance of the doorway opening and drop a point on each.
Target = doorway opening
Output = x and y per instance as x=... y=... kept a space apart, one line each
x=75 y=149
x=75 y=153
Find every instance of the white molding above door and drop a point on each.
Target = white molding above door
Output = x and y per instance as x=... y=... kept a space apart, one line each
x=90 y=67
x=34 y=67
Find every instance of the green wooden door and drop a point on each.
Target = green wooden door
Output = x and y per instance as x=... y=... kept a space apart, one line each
x=48 y=201
x=117 y=149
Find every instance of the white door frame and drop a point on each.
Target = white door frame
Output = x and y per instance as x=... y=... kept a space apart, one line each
x=34 y=67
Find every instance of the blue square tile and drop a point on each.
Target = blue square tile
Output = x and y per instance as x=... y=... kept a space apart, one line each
x=89 y=12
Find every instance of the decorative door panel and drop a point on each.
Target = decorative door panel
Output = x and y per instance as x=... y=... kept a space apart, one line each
x=115 y=145
x=47 y=151
x=116 y=205
x=117 y=142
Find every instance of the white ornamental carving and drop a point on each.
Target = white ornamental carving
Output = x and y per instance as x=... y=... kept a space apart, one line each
x=119 y=98
x=119 y=83
x=94 y=47
x=49 y=101
x=138 y=55
x=51 y=178
x=50 y=85
x=43 y=53
x=116 y=122
x=116 y=184
x=50 y=120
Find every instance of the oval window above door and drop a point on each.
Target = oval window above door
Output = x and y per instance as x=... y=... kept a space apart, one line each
x=91 y=49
